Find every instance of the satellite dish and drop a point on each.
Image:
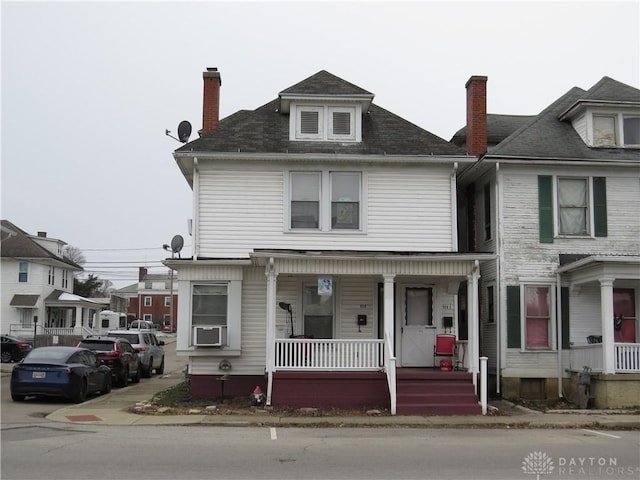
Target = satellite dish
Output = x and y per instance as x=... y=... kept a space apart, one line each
x=184 y=131
x=177 y=242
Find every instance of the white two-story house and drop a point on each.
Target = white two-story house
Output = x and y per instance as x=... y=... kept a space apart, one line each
x=37 y=287
x=556 y=196
x=325 y=253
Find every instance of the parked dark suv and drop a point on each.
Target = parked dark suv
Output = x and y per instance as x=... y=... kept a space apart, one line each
x=119 y=355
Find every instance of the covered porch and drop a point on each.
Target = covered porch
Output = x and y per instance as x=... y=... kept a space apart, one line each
x=603 y=326
x=59 y=314
x=385 y=311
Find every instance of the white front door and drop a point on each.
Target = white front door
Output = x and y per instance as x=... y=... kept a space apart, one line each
x=418 y=331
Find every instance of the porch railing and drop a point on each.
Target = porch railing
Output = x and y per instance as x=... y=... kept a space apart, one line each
x=626 y=355
x=587 y=356
x=328 y=354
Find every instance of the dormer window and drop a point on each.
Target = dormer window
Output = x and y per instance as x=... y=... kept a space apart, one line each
x=608 y=134
x=325 y=123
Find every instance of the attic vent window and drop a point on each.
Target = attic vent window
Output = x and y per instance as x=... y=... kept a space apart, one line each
x=309 y=123
x=341 y=123
x=325 y=123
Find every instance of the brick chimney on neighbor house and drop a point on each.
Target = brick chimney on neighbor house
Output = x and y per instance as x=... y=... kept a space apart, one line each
x=210 y=100
x=477 y=115
x=142 y=272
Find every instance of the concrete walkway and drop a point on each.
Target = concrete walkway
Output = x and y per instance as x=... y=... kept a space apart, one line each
x=115 y=409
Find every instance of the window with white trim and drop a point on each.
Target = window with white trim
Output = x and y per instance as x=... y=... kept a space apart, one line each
x=65 y=279
x=573 y=206
x=167 y=301
x=147 y=301
x=614 y=130
x=209 y=304
x=537 y=317
x=147 y=317
x=325 y=201
x=23 y=272
x=325 y=122
x=52 y=275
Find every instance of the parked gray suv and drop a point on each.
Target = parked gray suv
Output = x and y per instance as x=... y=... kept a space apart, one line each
x=148 y=346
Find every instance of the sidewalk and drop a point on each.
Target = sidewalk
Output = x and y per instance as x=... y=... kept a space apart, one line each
x=114 y=409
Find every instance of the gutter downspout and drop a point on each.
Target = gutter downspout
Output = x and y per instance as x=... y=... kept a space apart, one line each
x=454 y=208
x=196 y=208
x=498 y=197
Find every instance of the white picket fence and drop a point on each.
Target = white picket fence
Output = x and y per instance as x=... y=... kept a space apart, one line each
x=329 y=354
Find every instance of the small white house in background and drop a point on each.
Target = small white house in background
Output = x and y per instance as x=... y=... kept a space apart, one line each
x=325 y=254
x=556 y=196
x=37 y=287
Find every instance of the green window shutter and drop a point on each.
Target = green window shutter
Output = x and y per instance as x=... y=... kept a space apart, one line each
x=513 y=317
x=564 y=298
x=545 y=208
x=600 y=206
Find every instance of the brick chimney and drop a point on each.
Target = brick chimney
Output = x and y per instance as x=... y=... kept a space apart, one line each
x=42 y=234
x=477 y=115
x=142 y=272
x=210 y=100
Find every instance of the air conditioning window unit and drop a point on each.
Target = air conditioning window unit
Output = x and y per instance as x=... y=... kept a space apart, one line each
x=210 y=336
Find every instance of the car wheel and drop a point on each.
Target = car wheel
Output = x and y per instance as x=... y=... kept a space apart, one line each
x=146 y=371
x=81 y=396
x=6 y=357
x=136 y=377
x=107 y=385
x=18 y=398
x=124 y=377
x=160 y=369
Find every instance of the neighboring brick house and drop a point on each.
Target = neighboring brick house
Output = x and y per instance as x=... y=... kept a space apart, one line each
x=556 y=197
x=150 y=299
x=325 y=262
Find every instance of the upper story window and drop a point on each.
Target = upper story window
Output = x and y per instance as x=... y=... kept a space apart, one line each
x=167 y=301
x=147 y=301
x=23 y=272
x=326 y=201
x=52 y=275
x=487 y=211
x=65 y=279
x=616 y=130
x=573 y=206
x=325 y=123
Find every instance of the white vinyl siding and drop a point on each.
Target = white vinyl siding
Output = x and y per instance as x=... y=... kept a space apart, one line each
x=407 y=209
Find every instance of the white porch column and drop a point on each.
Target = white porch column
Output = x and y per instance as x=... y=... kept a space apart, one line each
x=272 y=276
x=606 y=313
x=389 y=307
x=474 y=324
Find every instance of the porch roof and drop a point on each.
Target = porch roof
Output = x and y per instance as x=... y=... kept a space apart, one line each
x=358 y=262
x=59 y=298
x=24 y=301
x=598 y=267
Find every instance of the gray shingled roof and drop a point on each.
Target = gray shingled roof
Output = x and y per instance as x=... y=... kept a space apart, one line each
x=546 y=136
x=499 y=127
x=19 y=245
x=266 y=130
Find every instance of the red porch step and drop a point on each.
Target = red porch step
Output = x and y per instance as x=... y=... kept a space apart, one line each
x=421 y=392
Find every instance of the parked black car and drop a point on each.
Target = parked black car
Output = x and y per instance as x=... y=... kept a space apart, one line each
x=14 y=349
x=119 y=355
x=68 y=372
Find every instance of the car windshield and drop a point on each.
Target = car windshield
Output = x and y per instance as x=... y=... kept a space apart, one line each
x=98 y=346
x=46 y=355
x=131 y=337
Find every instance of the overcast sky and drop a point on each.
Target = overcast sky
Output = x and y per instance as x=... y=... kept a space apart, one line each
x=88 y=89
